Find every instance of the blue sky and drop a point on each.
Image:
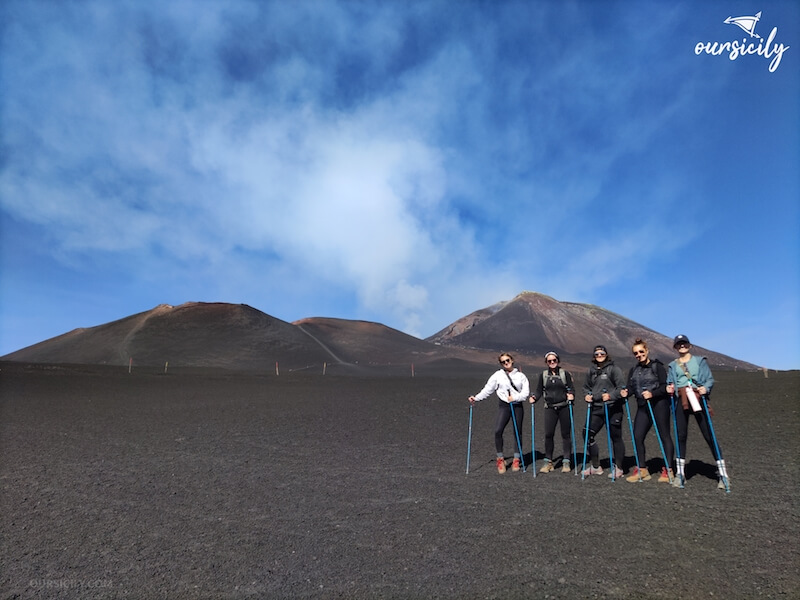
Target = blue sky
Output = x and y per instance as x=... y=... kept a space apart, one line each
x=401 y=162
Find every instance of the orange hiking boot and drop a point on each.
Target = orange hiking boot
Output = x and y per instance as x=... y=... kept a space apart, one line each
x=637 y=472
x=501 y=465
x=515 y=465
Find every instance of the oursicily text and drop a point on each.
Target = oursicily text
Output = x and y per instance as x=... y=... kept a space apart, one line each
x=766 y=48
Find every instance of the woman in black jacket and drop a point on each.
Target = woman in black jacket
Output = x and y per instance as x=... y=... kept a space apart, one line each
x=602 y=390
x=647 y=381
x=554 y=386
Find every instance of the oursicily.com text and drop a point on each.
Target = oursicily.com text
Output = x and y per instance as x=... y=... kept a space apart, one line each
x=70 y=584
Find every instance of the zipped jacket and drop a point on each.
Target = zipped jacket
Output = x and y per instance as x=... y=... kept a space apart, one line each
x=651 y=377
x=604 y=377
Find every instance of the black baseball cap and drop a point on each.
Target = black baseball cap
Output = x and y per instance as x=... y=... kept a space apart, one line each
x=680 y=339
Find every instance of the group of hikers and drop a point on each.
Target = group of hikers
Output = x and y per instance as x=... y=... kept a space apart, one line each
x=665 y=397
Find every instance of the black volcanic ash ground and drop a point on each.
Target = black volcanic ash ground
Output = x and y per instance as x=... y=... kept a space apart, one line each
x=197 y=485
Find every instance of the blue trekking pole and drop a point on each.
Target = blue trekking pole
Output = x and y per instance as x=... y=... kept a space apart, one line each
x=574 y=448
x=469 y=438
x=533 y=445
x=716 y=445
x=610 y=446
x=680 y=475
x=660 y=443
x=633 y=440
x=586 y=439
x=516 y=433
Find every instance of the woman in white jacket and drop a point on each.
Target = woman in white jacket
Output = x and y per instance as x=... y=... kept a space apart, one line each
x=512 y=388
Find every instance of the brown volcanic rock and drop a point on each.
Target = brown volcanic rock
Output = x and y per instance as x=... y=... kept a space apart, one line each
x=104 y=344
x=237 y=336
x=193 y=334
x=389 y=351
x=533 y=323
x=367 y=342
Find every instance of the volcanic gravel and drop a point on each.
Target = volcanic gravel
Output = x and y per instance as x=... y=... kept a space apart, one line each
x=220 y=485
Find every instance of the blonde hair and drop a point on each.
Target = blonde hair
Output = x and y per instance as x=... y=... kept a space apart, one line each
x=639 y=342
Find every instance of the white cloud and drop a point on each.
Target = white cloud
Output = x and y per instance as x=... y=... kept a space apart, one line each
x=423 y=162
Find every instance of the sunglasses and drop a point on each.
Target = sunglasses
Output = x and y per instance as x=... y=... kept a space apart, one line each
x=505 y=360
x=552 y=360
x=682 y=345
x=600 y=354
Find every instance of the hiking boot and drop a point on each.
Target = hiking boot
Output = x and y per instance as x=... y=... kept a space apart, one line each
x=565 y=467
x=548 y=467
x=592 y=471
x=501 y=465
x=515 y=465
x=678 y=481
x=616 y=472
x=639 y=474
x=665 y=476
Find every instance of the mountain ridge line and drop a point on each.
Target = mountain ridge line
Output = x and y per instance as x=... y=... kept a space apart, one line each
x=239 y=336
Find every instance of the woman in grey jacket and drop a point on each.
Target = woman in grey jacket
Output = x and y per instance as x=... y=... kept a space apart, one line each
x=602 y=389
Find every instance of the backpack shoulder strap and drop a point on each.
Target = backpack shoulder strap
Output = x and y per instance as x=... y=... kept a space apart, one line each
x=544 y=383
x=686 y=371
x=511 y=381
x=546 y=373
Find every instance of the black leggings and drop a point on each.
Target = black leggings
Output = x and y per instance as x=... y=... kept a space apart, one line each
x=682 y=419
x=596 y=423
x=553 y=416
x=642 y=424
x=503 y=417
